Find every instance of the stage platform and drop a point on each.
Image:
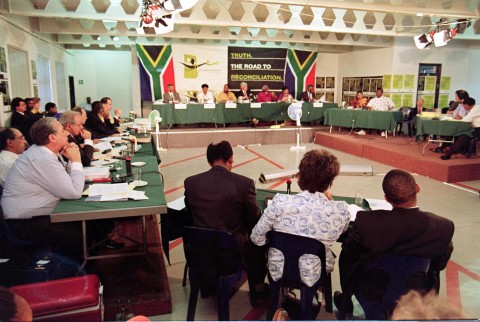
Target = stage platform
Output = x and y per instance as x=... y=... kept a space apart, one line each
x=402 y=152
x=190 y=137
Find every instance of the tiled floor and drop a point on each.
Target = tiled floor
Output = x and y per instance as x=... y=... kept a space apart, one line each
x=459 y=202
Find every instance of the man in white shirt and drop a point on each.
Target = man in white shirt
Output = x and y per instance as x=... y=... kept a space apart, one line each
x=36 y=183
x=380 y=102
x=462 y=141
x=205 y=96
x=12 y=144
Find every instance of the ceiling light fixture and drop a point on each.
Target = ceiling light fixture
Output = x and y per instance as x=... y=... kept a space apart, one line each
x=442 y=34
x=157 y=16
x=115 y=38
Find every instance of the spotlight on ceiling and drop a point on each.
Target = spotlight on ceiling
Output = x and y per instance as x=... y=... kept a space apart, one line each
x=423 y=41
x=157 y=16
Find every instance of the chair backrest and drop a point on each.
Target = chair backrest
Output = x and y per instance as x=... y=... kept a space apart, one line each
x=292 y=248
x=211 y=253
x=408 y=113
x=387 y=277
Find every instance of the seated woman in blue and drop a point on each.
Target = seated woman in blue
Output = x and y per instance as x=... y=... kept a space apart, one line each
x=311 y=213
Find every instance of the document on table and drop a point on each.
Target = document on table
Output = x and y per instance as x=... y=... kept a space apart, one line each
x=103 y=146
x=177 y=204
x=111 y=139
x=114 y=192
x=353 y=209
x=379 y=204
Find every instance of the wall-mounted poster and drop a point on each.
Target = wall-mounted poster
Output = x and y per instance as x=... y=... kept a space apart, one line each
x=34 y=70
x=3 y=61
x=330 y=83
x=320 y=83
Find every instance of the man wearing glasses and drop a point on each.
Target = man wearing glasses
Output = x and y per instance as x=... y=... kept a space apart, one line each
x=12 y=144
x=72 y=123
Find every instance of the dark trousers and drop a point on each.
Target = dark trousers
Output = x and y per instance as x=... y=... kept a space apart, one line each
x=254 y=258
x=462 y=142
x=64 y=238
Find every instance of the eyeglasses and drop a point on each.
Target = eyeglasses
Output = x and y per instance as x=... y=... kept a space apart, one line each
x=19 y=138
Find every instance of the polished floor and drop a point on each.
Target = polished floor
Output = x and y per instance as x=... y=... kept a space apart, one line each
x=459 y=202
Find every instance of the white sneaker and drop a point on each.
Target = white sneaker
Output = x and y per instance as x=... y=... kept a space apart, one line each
x=383 y=134
x=361 y=132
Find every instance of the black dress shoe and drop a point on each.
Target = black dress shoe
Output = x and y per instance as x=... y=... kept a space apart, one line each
x=446 y=156
x=259 y=295
x=111 y=244
x=344 y=305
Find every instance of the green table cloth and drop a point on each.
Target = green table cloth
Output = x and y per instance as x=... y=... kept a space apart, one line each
x=425 y=125
x=380 y=120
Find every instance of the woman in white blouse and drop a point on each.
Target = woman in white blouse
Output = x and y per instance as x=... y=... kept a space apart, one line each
x=311 y=213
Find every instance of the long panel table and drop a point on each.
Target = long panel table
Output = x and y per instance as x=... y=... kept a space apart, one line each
x=79 y=210
x=448 y=127
x=379 y=120
x=243 y=112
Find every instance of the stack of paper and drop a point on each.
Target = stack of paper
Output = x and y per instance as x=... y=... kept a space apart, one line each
x=114 y=192
x=92 y=173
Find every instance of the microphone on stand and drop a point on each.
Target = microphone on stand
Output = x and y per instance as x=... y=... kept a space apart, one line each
x=289 y=183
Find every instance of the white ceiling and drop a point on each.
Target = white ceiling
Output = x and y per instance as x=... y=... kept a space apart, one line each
x=323 y=25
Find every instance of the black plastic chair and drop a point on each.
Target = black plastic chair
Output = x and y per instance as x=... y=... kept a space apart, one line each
x=213 y=257
x=385 y=279
x=409 y=114
x=292 y=248
x=472 y=147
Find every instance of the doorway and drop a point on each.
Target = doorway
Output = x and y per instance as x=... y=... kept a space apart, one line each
x=71 y=84
x=428 y=87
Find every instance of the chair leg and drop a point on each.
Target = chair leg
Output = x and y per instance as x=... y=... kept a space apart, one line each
x=306 y=298
x=273 y=300
x=328 y=293
x=185 y=271
x=192 y=301
x=223 y=300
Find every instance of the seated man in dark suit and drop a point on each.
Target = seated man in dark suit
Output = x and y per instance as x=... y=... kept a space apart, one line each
x=18 y=114
x=98 y=121
x=222 y=200
x=404 y=230
x=72 y=123
x=308 y=95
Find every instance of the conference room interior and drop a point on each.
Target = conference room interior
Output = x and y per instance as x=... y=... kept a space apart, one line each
x=75 y=59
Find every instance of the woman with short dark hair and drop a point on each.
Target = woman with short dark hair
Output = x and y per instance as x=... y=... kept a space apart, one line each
x=311 y=213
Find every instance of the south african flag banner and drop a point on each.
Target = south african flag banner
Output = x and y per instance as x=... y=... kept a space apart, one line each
x=156 y=71
x=300 y=71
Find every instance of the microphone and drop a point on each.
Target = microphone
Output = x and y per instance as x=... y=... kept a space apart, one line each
x=289 y=183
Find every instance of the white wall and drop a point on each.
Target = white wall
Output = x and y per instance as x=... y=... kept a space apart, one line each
x=103 y=73
x=454 y=58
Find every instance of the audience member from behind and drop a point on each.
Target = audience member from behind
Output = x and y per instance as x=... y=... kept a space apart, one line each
x=462 y=142
x=12 y=144
x=51 y=110
x=380 y=102
x=359 y=101
x=72 y=123
x=404 y=230
x=35 y=184
x=222 y=200
x=414 y=306
x=307 y=214
x=18 y=113
x=13 y=308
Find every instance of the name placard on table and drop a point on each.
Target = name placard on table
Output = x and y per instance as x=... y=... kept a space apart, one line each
x=255 y=105
x=209 y=106
x=318 y=104
x=230 y=105
x=181 y=106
